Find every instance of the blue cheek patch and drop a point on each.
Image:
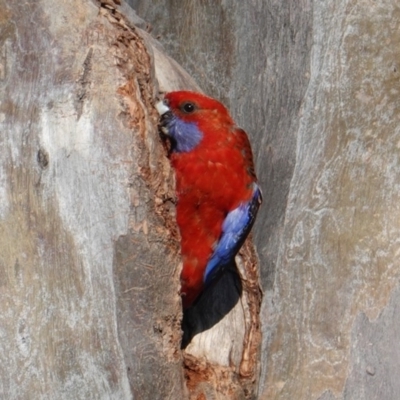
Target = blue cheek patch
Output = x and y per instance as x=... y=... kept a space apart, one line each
x=185 y=136
x=235 y=228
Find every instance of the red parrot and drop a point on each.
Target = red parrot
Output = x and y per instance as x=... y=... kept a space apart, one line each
x=217 y=192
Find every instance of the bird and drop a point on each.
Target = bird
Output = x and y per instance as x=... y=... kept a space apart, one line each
x=217 y=192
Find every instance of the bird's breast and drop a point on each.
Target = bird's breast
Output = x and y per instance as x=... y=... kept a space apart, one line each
x=218 y=176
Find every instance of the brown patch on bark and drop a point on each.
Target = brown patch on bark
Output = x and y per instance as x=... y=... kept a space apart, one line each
x=139 y=95
x=136 y=64
x=145 y=296
x=208 y=381
x=251 y=287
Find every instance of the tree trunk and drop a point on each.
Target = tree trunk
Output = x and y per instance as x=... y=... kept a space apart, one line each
x=315 y=84
x=90 y=258
x=87 y=244
x=89 y=250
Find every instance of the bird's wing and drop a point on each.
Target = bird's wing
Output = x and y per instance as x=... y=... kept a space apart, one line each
x=235 y=228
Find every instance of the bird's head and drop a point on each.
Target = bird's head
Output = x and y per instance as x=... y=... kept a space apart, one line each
x=186 y=117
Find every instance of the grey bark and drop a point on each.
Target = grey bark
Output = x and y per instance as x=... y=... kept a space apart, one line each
x=89 y=260
x=89 y=251
x=316 y=86
x=85 y=251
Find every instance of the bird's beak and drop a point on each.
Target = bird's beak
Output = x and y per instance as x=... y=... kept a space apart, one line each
x=166 y=116
x=162 y=108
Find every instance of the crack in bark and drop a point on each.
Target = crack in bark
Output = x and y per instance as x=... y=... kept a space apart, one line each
x=83 y=84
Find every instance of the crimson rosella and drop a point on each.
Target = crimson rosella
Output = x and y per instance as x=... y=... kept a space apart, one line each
x=217 y=192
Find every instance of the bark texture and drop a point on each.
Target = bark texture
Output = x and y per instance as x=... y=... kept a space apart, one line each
x=86 y=251
x=89 y=252
x=316 y=85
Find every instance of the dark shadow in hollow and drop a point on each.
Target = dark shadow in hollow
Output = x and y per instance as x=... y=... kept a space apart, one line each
x=212 y=305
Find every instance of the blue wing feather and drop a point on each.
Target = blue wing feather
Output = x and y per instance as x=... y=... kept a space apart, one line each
x=235 y=229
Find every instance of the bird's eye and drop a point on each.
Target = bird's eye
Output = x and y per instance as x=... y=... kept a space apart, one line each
x=188 y=107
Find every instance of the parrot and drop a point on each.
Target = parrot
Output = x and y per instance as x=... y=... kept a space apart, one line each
x=217 y=192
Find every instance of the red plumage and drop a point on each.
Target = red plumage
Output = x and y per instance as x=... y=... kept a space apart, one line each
x=212 y=179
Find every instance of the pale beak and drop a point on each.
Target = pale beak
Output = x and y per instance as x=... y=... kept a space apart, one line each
x=162 y=108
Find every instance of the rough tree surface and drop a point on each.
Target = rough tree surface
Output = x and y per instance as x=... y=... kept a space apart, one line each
x=89 y=254
x=89 y=251
x=316 y=85
x=85 y=251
